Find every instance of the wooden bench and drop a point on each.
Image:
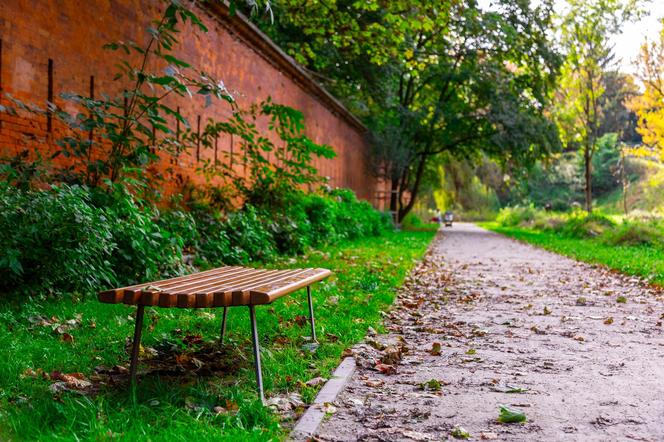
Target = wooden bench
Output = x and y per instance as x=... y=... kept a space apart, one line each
x=221 y=287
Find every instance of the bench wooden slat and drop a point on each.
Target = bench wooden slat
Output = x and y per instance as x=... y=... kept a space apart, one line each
x=190 y=280
x=120 y=291
x=220 y=287
x=216 y=285
x=269 y=292
x=241 y=294
x=234 y=286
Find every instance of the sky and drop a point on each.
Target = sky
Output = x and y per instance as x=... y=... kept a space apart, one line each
x=628 y=43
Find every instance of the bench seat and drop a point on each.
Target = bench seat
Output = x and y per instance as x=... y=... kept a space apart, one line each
x=220 y=287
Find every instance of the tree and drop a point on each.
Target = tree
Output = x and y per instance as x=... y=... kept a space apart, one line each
x=586 y=28
x=649 y=106
x=429 y=77
x=619 y=90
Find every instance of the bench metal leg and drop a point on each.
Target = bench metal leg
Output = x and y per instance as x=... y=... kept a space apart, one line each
x=223 y=325
x=138 y=328
x=257 y=353
x=311 y=314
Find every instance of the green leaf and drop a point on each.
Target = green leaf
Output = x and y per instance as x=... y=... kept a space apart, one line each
x=459 y=432
x=509 y=416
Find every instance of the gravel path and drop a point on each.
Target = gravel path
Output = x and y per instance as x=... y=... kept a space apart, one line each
x=580 y=364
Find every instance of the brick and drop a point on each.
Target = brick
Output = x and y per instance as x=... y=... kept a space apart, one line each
x=72 y=34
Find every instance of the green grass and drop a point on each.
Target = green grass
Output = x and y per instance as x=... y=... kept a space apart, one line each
x=642 y=260
x=180 y=408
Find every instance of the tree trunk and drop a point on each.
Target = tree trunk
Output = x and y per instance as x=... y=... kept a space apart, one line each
x=403 y=211
x=394 y=199
x=587 y=157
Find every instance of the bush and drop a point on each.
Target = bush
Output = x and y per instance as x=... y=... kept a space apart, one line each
x=72 y=239
x=582 y=225
x=411 y=221
x=54 y=240
x=514 y=216
x=321 y=213
x=635 y=233
x=250 y=239
x=143 y=250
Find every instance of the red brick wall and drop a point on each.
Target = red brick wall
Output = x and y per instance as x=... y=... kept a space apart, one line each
x=71 y=33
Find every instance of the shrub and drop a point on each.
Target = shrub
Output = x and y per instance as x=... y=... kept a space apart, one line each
x=73 y=239
x=321 y=213
x=250 y=239
x=583 y=225
x=143 y=250
x=513 y=216
x=54 y=240
x=635 y=233
x=290 y=229
x=411 y=221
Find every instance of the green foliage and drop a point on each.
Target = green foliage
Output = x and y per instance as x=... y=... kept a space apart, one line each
x=636 y=233
x=514 y=216
x=577 y=224
x=271 y=171
x=606 y=165
x=431 y=77
x=412 y=221
x=466 y=188
x=583 y=225
x=54 y=240
x=586 y=28
x=249 y=236
x=75 y=239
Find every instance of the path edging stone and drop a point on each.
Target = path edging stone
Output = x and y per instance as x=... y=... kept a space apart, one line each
x=308 y=424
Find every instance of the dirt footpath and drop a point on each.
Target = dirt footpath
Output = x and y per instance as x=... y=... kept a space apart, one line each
x=518 y=326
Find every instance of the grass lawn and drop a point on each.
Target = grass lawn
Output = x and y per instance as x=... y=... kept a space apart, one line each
x=643 y=261
x=181 y=407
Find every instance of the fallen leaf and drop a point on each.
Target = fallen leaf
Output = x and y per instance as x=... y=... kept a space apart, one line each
x=197 y=362
x=315 y=382
x=192 y=339
x=508 y=415
x=608 y=321
x=71 y=381
x=459 y=432
x=435 y=349
x=182 y=359
x=373 y=383
x=431 y=385
x=385 y=368
x=311 y=347
x=416 y=435
x=328 y=408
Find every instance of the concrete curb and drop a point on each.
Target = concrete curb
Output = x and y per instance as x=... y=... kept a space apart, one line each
x=308 y=424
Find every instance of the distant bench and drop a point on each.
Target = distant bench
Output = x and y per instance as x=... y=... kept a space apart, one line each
x=221 y=287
